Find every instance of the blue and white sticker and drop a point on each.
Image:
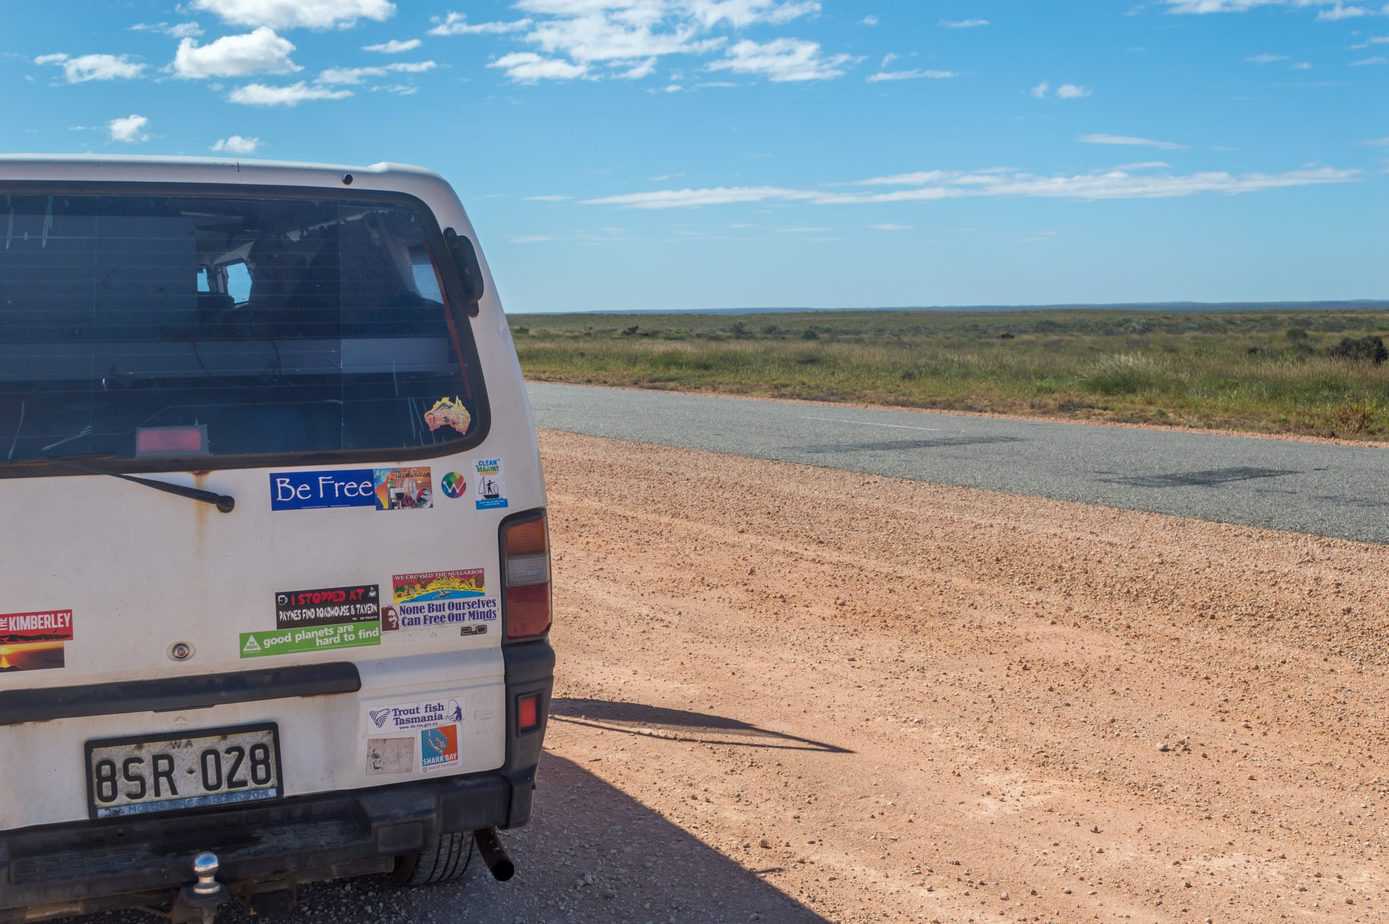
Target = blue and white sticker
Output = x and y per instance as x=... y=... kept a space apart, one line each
x=377 y=488
x=489 y=486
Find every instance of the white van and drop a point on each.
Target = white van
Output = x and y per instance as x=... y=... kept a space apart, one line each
x=275 y=584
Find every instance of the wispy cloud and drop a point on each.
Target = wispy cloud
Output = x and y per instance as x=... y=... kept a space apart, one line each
x=931 y=186
x=916 y=74
x=393 y=47
x=236 y=144
x=296 y=14
x=783 y=60
x=1064 y=91
x=176 y=30
x=963 y=23
x=259 y=94
x=84 y=68
x=1266 y=57
x=1370 y=62
x=870 y=21
x=351 y=76
x=1327 y=10
x=457 y=24
x=1130 y=141
x=529 y=67
x=889 y=227
x=549 y=198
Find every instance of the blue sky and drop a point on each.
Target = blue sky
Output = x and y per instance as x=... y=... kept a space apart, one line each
x=619 y=154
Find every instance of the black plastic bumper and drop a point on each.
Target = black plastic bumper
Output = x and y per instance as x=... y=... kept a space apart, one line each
x=88 y=866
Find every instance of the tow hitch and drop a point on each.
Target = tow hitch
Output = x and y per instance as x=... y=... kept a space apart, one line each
x=199 y=901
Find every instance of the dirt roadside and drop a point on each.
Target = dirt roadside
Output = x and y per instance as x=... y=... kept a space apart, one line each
x=898 y=702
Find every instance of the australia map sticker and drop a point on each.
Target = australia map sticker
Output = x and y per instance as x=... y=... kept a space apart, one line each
x=449 y=413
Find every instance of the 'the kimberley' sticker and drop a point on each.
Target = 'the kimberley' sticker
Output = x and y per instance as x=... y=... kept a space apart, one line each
x=34 y=641
x=379 y=488
x=297 y=608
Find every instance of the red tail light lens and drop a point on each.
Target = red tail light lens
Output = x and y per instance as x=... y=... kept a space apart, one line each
x=528 y=712
x=526 y=572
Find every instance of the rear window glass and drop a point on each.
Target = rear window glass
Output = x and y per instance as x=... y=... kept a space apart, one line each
x=161 y=326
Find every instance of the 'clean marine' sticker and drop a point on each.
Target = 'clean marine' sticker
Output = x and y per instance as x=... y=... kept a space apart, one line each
x=448 y=412
x=489 y=489
x=34 y=641
x=377 y=488
x=442 y=598
x=298 y=608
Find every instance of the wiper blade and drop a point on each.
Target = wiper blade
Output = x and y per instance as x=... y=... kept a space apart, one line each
x=223 y=502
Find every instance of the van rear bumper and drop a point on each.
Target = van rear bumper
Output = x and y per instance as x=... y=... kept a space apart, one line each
x=85 y=867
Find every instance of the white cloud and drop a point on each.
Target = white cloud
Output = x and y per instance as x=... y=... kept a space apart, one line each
x=1370 y=62
x=173 y=30
x=1327 y=10
x=743 y=13
x=457 y=24
x=1379 y=142
x=1040 y=90
x=870 y=21
x=394 y=46
x=1130 y=141
x=531 y=239
x=257 y=52
x=963 y=23
x=916 y=74
x=638 y=72
x=351 y=76
x=1145 y=165
x=128 y=129
x=84 y=68
x=889 y=227
x=1302 y=66
x=529 y=67
x=783 y=60
x=550 y=198
x=1072 y=91
x=259 y=94
x=1266 y=57
x=236 y=144
x=1106 y=185
x=293 y=14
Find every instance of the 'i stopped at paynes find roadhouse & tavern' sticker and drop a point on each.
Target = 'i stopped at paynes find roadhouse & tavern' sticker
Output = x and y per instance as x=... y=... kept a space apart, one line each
x=319 y=620
x=442 y=598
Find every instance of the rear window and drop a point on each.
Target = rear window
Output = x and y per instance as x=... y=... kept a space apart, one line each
x=147 y=328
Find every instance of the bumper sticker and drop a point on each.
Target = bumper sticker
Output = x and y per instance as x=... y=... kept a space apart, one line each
x=390 y=755
x=34 y=641
x=296 y=609
x=374 y=488
x=442 y=598
x=448 y=412
x=453 y=485
x=489 y=487
x=300 y=641
x=439 y=748
x=415 y=716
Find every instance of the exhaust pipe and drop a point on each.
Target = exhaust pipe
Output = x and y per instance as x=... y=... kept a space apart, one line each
x=494 y=854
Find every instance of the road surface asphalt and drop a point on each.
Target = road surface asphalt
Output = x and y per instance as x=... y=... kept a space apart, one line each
x=1326 y=489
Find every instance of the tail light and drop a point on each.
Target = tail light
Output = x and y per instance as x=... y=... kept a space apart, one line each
x=526 y=576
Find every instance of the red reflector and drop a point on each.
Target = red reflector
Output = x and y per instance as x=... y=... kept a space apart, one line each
x=528 y=712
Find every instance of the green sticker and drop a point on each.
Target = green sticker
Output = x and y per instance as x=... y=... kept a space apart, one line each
x=319 y=638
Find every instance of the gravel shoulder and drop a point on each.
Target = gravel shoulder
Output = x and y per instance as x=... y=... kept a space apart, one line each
x=790 y=693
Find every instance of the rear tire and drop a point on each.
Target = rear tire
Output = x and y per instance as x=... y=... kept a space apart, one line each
x=446 y=859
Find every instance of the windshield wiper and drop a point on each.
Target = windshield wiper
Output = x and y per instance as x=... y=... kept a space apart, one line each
x=223 y=502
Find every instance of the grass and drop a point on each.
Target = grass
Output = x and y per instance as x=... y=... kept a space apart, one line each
x=1265 y=371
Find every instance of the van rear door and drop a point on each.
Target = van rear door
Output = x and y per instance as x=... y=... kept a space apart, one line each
x=239 y=429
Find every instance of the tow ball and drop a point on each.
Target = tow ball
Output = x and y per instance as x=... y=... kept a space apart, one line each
x=198 y=902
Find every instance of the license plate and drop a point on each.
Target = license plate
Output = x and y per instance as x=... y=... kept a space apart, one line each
x=177 y=772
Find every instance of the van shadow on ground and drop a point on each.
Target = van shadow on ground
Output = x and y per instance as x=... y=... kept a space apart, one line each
x=591 y=853
x=679 y=725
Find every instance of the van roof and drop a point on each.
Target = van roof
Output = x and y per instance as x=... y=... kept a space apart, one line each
x=144 y=169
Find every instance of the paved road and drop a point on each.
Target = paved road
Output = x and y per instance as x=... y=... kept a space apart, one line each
x=1329 y=490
